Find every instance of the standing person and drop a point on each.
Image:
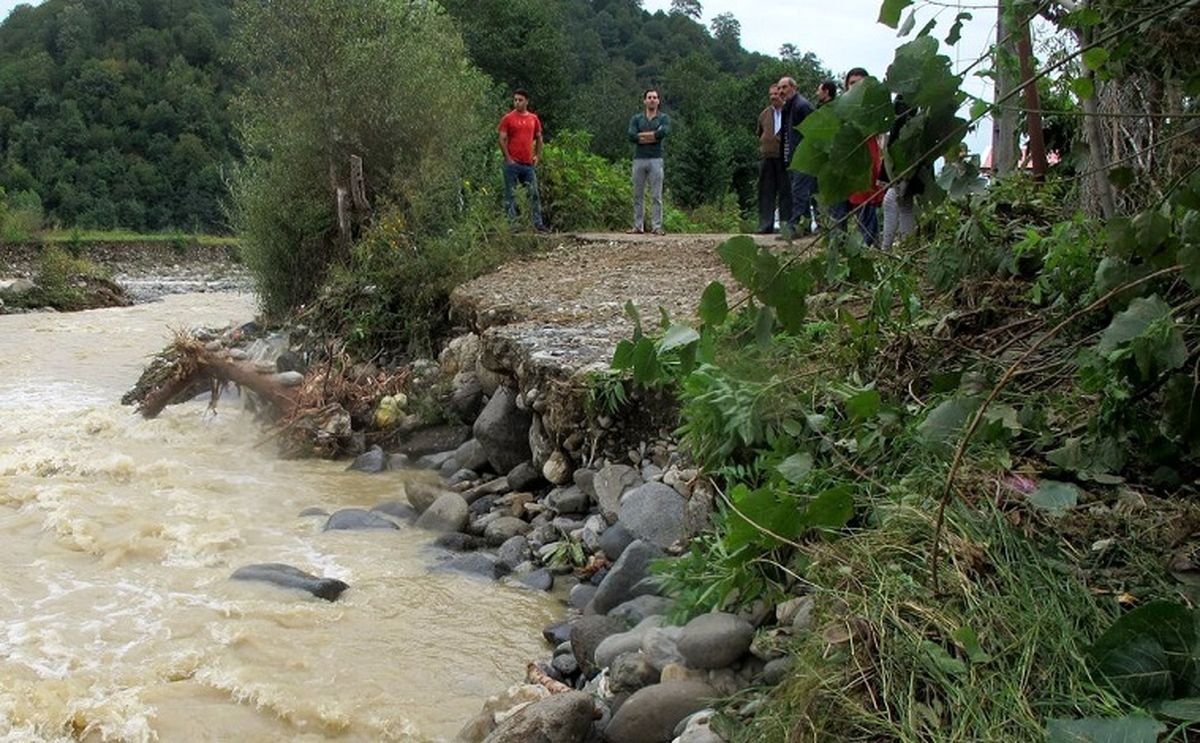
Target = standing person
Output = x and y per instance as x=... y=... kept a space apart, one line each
x=521 y=142
x=865 y=204
x=773 y=191
x=898 y=217
x=647 y=130
x=826 y=92
x=796 y=109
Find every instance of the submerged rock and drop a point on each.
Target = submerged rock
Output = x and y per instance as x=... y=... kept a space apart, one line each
x=356 y=519
x=287 y=576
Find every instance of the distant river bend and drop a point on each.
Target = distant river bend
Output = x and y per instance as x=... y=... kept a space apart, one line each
x=117 y=621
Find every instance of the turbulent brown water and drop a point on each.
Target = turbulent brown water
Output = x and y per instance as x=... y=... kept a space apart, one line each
x=117 y=537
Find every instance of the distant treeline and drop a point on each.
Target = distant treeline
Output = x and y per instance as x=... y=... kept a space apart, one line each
x=119 y=113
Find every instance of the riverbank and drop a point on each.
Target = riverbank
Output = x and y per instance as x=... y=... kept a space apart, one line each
x=144 y=270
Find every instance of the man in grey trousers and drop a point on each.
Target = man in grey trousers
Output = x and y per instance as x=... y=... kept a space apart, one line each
x=647 y=130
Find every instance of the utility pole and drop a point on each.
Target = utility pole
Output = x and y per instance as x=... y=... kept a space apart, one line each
x=1004 y=118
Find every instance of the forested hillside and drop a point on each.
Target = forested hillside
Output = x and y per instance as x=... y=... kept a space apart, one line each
x=116 y=113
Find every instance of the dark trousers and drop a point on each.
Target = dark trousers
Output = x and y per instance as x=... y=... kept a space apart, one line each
x=866 y=216
x=774 y=191
x=804 y=187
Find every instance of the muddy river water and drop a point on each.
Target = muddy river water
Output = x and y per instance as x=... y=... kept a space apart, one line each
x=117 y=537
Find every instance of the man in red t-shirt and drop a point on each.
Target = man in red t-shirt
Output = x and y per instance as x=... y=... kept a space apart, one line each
x=521 y=142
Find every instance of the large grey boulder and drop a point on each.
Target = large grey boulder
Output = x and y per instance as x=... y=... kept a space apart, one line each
x=660 y=646
x=568 y=500
x=621 y=643
x=473 y=563
x=503 y=431
x=586 y=635
x=654 y=512
x=715 y=640
x=448 y=513
x=501 y=529
x=640 y=607
x=513 y=552
x=630 y=672
x=524 y=476
x=287 y=576
x=561 y=718
x=396 y=509
x=610 y=483
x=421 y=495
x=470 y=455
x=651 y=714
x=355 y=519
x=372 y=461
x=614 y=540
x=625 y=573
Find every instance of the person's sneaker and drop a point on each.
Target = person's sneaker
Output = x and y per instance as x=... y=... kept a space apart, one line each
x=659 y=231
x=635 y=231
x=543 y=229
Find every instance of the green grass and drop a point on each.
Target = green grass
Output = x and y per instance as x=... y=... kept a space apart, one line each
x=126 y=236
x=889 y=660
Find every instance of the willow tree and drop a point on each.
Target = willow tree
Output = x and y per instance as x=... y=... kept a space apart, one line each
x=387 y=81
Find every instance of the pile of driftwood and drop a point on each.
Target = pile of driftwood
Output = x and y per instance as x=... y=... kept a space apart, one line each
x=314 y=414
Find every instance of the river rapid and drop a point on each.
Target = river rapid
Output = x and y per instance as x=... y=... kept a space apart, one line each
x=117 y=537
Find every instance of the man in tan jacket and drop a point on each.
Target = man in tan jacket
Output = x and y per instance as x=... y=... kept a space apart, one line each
x=773 y=188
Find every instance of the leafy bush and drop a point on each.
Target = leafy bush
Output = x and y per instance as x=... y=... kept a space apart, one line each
x=580 y=189
x=380 y=79
x=20 y=216
x=393 y=294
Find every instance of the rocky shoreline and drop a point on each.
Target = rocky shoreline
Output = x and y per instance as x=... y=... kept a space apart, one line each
x=543 y=490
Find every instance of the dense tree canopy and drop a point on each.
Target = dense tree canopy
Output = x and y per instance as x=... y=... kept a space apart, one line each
x=115 y=112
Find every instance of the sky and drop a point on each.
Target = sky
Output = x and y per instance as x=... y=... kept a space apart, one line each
x=6 y=6
x=846 y=33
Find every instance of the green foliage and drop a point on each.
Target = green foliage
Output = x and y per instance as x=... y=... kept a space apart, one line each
x=580 y=189
x=393 y=295
x=20 y=216
x=116 y=113
x=334 y=80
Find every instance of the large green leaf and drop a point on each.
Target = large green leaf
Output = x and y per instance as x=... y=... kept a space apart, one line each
x=676 y=336
x=890 y=10
x=1104 y=730
x=1148 y=654
x=946 y=421
x=714 y=307
x=739 y=254
x=849 y=167
x=832 y=509
x=822 y=125
x=1056 y=498
x=867 y=105
x=796 y=467
x=922 y=75
x=1150 y=334
x=778 y=512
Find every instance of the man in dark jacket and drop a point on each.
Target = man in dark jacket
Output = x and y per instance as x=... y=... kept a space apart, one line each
x=796 y=109
x=773 y=190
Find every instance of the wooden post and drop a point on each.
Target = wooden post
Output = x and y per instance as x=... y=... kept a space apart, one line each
x=1033 y=104
x=358 y=187
x=343 y=215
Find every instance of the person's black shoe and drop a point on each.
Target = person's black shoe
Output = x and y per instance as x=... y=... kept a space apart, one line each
x=543 y=229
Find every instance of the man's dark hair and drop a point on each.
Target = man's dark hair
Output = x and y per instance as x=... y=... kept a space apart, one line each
x=830 y=88
x=522 y=92
x=648 y=91
x=856 y=72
